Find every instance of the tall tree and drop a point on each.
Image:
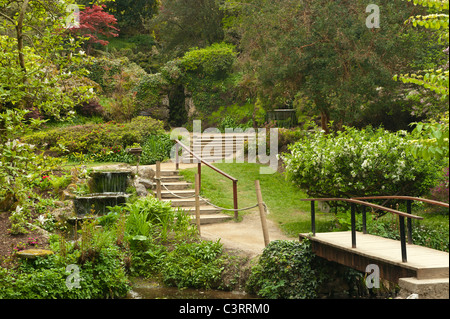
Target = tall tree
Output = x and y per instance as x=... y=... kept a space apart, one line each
x=35 y=57
x=132 y=15
x=184 y=24
x=94 y=21
x=323 y=49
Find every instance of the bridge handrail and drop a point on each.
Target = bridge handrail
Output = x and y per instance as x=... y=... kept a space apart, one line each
x=359 y=200
x=428 y=201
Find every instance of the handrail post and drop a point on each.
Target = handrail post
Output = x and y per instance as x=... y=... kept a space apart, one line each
x=364 y=220
x=199 y=170
x=353 y=212
x=177 y=156
x=409 y=221
x=158 y=180
x=262 y=213
x=197 y=203
x=235 y=200
x=402 y=237
x=313 y=218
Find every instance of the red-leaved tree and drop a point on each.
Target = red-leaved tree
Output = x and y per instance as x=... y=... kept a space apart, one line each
x=93 y=22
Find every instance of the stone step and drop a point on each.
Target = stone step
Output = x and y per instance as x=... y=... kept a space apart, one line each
x=204 y=210
x=217 y=142
x=213 y=157
x=171 y=179
x=184 y=202
x=174 y=182
x=212 y=219
x=175 y=186
x=183 y=193
x=169 y=173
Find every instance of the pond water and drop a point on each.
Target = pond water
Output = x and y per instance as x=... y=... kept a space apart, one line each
x=148 y=290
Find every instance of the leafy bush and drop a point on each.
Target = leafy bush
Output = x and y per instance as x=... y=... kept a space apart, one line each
x=90 y=108
x=441 y=191
x=21 y=169
x=149 y=90
x=285 y=270
x=100 y=263
x=358 y=163
x=156 y=148
x=92 y=138
x=155 y=219
x=108 y=72
x=215 y=60
x=195 y=265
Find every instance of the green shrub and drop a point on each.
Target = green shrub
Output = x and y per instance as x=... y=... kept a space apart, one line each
x=358 y=163
x=156 y=148
x=99 y=261
x=285 y=270
x=215 y=60
x=109 y=72
x=195 y=265
x=93 y=138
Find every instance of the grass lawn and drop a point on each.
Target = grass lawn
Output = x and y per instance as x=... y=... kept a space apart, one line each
x=282 y=198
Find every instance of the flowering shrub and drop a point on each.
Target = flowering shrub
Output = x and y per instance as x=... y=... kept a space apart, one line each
x=358 y=163
x=440 y=192
x=45 y=182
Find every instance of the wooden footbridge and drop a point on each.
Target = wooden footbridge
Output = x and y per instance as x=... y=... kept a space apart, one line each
x=395 y=259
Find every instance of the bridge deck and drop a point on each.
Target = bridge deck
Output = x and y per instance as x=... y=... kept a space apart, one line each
x=423 y=263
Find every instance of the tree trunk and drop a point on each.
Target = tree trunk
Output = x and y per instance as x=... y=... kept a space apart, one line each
x=19 y=31
x=325 y=120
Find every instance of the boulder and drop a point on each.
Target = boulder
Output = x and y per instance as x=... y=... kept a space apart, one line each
x=146 y=172
x=34 y=253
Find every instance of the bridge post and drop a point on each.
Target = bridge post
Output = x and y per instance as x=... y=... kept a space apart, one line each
x=364 y=221
x=353 y=212
x=313 y=218
x=402 y=237
x=409 y=221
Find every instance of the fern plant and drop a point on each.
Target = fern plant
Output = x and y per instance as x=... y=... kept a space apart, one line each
x=435 y=80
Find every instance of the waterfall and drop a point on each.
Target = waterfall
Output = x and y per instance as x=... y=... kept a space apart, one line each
x=106 y=189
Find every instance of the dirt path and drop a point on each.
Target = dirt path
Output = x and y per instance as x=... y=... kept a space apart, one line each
x=246 y=236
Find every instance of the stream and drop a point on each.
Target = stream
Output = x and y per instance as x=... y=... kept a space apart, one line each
x=143 y=289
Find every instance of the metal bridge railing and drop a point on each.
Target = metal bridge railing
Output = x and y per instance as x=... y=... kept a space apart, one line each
x=360 y=201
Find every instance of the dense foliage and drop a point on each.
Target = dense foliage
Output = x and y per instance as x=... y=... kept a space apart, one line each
x=323 y=50
x=353 y=163
x=285 y=270
x=181 y=25
x=435 y=80
x=95 y=138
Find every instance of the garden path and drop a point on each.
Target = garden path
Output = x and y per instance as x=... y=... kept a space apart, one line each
x=245 y=236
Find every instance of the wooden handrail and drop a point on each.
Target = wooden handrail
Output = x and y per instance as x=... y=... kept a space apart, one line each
x=201 y=161
x=359 y=200
x=428 y=201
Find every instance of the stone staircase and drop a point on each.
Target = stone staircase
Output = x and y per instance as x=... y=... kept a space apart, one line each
x=214 y=147
x=177 y=187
